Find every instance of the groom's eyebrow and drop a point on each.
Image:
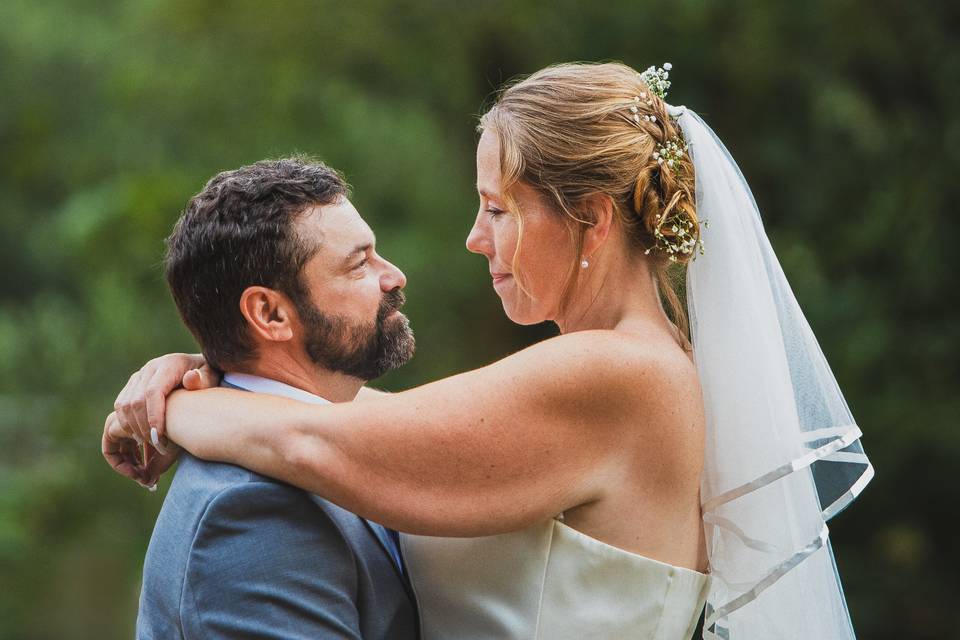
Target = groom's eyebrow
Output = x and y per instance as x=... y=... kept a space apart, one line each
x=360 y=248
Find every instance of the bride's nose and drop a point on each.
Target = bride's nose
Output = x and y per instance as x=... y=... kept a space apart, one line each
x=478 y=240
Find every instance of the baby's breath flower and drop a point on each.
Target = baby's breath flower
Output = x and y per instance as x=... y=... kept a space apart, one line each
x=671 y=152
x=658 y=79
x=685 y=238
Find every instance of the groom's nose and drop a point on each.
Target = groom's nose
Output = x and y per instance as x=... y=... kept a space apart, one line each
x=392 y=278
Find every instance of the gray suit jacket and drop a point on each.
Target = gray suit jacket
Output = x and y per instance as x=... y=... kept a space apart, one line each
x=237 y=555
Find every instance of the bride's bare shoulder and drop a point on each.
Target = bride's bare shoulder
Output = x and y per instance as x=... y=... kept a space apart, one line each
x=644 y=366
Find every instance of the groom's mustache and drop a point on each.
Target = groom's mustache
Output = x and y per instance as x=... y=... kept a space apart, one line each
x=392 y=301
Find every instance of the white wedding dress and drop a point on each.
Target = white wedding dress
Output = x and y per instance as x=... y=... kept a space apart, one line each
x=548 y=582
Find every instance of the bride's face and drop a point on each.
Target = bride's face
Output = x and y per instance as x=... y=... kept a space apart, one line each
x=546 y=250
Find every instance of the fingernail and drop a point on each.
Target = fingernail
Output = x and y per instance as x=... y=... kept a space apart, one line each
x=136 y=436
x=155 y=439
x=152 y=488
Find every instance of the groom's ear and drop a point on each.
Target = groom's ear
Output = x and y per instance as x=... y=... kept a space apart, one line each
x=268 y=314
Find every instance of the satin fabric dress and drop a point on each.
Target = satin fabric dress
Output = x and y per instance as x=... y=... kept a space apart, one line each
x=548 y=582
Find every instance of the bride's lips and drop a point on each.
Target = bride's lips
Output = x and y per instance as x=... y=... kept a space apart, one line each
x=499 y=278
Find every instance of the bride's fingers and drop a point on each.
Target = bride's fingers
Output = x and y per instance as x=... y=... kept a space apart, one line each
x=117 y=431
x=154 y=391
x=124 y=404
x=125 y=454
x=160 y=377
x=140 y=398
x=120 y=451
x=203 y=378
x=192 y=380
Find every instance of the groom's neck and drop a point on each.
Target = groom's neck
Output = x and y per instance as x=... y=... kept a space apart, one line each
x=305 y=375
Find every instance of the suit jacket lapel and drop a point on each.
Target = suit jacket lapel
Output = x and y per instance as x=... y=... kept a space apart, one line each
x=378 y=533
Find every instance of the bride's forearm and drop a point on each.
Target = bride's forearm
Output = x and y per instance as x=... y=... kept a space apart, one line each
x=224 y=425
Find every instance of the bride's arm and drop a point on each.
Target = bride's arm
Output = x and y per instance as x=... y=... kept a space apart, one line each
x=141 y=404
x=140 y=408
x=483 y=452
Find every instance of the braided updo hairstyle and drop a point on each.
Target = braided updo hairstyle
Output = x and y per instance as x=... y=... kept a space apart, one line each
x=570 y=131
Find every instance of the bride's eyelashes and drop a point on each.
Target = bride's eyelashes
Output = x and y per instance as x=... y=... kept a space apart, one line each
x=495 y=212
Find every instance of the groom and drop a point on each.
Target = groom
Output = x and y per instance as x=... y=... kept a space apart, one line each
x=276 y=275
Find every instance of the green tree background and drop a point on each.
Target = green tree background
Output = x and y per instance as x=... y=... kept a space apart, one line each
x=841 y=113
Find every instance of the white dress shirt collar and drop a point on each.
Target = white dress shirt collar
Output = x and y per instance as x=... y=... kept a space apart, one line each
x=259 y=384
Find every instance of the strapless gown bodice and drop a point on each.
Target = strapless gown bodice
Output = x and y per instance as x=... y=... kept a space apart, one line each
x=548 y=582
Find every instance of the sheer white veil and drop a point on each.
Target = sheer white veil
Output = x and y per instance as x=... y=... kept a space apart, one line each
x=782 y=450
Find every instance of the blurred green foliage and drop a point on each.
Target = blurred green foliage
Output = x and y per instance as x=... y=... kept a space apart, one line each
x=842 y=114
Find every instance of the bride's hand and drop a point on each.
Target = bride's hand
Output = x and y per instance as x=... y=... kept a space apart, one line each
x=141 y=406
x=126 y=454
x=140 y=412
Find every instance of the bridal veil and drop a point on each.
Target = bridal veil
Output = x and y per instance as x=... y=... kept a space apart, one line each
x=782 y=450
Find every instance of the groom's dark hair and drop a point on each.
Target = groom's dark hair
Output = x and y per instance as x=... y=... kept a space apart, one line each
x=239 y=232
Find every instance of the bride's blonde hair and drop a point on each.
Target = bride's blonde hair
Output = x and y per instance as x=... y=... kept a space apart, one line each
x=575 y=130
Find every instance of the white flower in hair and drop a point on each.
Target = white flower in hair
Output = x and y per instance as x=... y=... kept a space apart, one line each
x=671 y=152
x=684 y=238
x=657 y=79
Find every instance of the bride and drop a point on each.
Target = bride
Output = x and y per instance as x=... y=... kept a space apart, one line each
x=609 y=481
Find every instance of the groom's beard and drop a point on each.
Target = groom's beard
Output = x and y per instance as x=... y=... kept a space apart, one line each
x=361 y=350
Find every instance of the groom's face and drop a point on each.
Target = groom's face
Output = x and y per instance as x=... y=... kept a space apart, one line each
x=350 y=318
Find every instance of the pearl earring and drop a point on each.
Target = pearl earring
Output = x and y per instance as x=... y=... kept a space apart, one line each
x=584 y=264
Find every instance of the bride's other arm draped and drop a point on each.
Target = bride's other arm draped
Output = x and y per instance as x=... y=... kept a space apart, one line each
x=552 y=427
